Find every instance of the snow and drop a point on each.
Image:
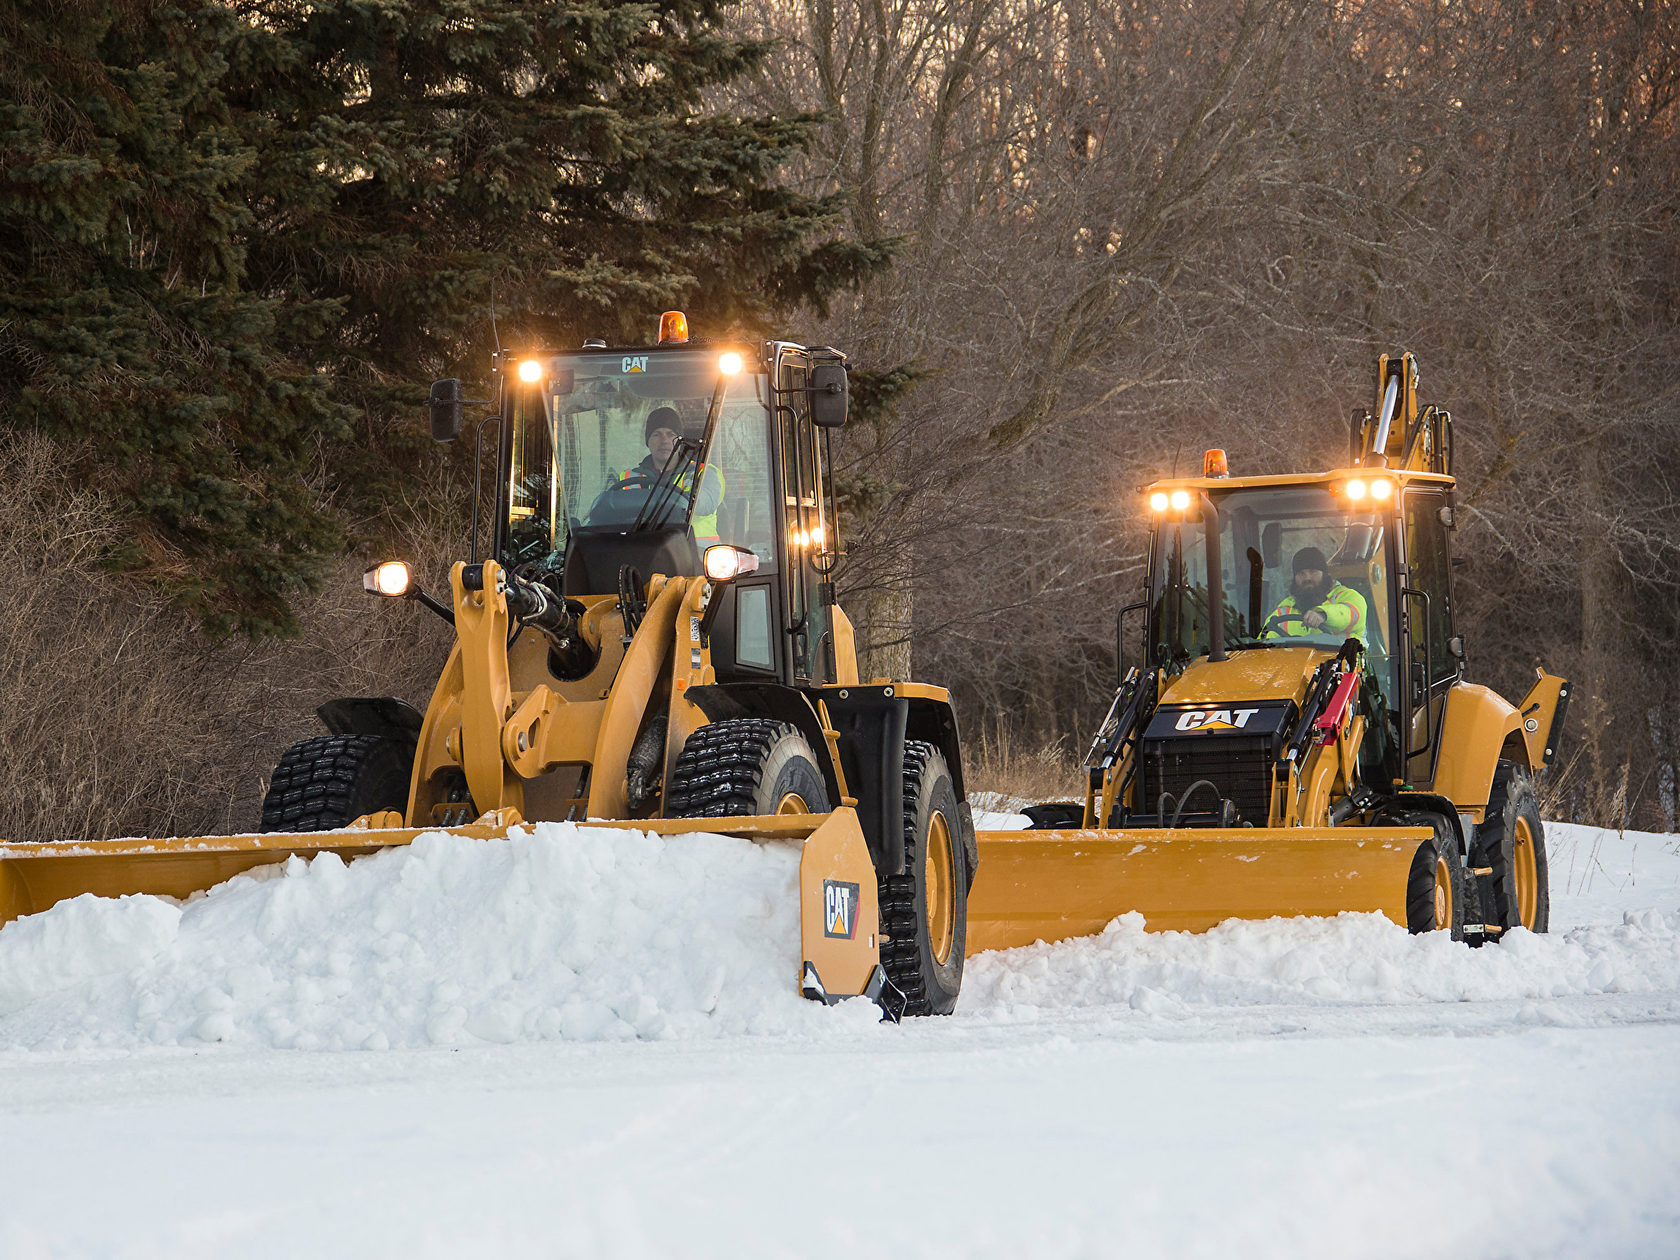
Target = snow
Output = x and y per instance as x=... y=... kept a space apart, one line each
x=587 y=1043
x=557 y=933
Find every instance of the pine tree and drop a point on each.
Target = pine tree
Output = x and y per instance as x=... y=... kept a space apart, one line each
x=125 y=325
x=430 y=160
x=237 y=240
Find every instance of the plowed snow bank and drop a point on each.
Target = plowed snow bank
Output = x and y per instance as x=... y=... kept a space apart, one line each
x=567 y=933
x=562 y=933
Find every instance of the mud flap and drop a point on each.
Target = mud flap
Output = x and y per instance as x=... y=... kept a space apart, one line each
x=1052 y=885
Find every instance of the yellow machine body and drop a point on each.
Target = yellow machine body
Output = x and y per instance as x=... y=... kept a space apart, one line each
x=498 y=716
x=1315 y=839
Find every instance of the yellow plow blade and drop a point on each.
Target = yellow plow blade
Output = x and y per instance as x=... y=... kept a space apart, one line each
x=839 y=913
x=1052 y=885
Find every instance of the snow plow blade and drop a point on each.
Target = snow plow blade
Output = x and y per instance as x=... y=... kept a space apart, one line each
x=1054 y=884
x=838 y=911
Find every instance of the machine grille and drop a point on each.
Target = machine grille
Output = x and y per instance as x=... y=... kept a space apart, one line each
x=1239 y=766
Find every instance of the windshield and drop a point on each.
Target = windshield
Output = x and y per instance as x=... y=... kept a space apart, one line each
x=1298 y=568
x=610 y=443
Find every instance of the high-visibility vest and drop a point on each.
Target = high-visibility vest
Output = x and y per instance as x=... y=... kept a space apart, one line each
x=1343 y=609
x=705 y=525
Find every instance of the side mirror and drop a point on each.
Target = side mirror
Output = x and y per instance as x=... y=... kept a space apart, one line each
x=1455 y=645
x=446 y=410
x=1446 y=515
x=828 y=395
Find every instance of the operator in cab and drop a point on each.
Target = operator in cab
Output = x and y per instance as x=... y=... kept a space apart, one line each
x=662 y=432
x=1317 y=604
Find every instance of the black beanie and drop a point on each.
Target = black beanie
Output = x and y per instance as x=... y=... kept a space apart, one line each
x=662 y=418
x=1310 y=558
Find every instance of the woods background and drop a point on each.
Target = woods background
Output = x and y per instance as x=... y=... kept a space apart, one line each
x=1068 y=245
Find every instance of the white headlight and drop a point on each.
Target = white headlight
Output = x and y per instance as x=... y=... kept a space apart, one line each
x=725 y=563
x=1159 y=500
x=729 y=363
x=1356 y=490
x=1180 y=500
x=530 y=370
x=391 y=578
x=1381 y=489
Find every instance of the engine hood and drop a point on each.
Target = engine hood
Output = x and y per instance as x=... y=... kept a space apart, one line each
x=1273 y=673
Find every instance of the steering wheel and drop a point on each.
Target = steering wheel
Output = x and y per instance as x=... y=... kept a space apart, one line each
x=1275 y=618
x=619 y=503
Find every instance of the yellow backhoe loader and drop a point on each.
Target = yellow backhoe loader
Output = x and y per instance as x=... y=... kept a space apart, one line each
x=1298 y=737
x=649 y=641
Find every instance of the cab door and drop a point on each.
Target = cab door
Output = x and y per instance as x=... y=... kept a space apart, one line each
x=1429 y=666
x=804 y=527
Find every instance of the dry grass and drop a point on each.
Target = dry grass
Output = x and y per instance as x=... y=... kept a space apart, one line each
x=1000 y=775
x=117 y=718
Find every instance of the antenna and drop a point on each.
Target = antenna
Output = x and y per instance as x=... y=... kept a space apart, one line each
x=493 y=333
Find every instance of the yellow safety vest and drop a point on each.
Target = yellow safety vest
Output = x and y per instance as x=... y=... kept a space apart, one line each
x=705 y=524
x=1343 y=609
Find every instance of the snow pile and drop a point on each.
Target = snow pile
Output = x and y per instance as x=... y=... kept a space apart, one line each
x=1352 y=958
x=556 y=933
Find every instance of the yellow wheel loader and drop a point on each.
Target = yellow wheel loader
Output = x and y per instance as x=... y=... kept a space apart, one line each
x=650 y=641
x=1298 y=737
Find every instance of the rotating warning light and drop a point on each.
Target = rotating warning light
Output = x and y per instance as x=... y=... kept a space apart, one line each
x=391 y=578
x=1214 y=464
x=673 y=326
x=530 y=370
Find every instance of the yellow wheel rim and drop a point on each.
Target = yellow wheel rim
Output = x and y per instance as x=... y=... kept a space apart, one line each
x=941 y=890
x=1525 y=868
x=1443 y=894
x=793 y=803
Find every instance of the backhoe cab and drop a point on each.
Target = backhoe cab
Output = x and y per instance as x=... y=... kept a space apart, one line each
x=650 y=641
x=1298 y=736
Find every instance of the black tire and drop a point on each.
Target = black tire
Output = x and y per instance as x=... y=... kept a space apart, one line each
x=1512 y=842
x=746 y=766
x=332 y=780
x=1436 y=892
x=922 y=946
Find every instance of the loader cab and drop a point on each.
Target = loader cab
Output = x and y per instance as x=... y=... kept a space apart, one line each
x=1381 y=544
x=620 y=463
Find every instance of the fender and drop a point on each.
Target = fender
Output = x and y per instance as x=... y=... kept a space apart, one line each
x=386 y=716
x=1479 y=723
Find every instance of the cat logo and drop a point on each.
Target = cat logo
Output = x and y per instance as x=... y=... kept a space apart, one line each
x=840 y=909
x=635 y=363
x=1214 y=719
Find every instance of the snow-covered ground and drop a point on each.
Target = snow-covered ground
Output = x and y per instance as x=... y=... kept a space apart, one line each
x=588 y=1043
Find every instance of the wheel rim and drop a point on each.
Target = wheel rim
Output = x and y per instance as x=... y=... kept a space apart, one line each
x=1443 y=894
x=941 y=890
x=792 y=803
x=1527 y=874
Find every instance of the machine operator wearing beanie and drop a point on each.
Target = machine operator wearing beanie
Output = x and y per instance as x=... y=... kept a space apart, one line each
x=661 y=432
x=1317 y=603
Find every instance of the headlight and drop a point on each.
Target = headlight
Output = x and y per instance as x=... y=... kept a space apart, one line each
x=1356 y=490
x=530 y=370
x=1158 y=500
x=1180 y=500
x=725 y=563
x=391 y=578
x=1382 y=489
x=729 y=363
